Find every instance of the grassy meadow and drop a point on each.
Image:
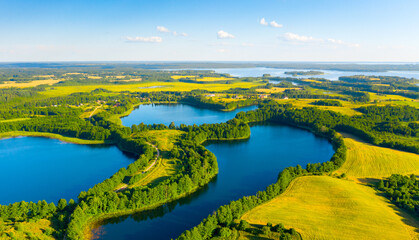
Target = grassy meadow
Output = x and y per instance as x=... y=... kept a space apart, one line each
x=322 y=207
x=368 y=161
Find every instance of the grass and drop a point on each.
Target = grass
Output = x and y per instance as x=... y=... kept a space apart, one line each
x=367 y=161
x=26 y=230
x=49 y=135
x=13 y=120
x=274 y=90
x=166 y=166
x=8 y=84
x=162 y=171
x=322 y=207
x=148 y=87
x=163 y=139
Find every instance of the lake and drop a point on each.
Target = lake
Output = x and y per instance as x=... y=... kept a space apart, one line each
x=245 y=167
x=329 y=74
x=36 y=168
x=178 y=113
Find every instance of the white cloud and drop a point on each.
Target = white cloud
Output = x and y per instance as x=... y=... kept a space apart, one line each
x=272 y=23
x=340 y=42
x=162 y=29
x=292 y=37
x=223 y=35
x=222 y=50
x=275 y=24
x=166 y=30
x=295 y=38
x=152 y=39
x=263 y=22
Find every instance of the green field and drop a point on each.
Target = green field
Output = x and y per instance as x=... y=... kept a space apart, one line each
x=321 y=207
x=367 y=161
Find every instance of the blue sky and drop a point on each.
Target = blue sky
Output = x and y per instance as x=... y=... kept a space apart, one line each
x=245 y=30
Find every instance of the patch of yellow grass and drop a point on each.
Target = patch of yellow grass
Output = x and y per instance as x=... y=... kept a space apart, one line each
x=274 y=90
x=388 y=97
x=8 y=84
x=148 y=87
x=162 y=171
x=14 y=120
x=311 y=80
x=27 y=230
x=43 y=76
x=321 y=207
x=176 y=77
x=94 y=77
x=163 y=139
x=367 y=161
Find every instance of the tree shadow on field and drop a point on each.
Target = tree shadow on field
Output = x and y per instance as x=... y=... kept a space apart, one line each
x=408 y=218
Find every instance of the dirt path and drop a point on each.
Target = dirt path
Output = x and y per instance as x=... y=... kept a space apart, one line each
x=94 y=111
x=155 y=160
x=145 y=170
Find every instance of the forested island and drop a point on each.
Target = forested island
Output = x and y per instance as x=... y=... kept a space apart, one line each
x=358 y=115
x=303 y=73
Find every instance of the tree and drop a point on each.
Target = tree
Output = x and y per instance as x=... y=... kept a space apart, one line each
x=62 y=203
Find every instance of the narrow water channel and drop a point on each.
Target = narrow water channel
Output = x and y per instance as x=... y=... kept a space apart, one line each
x=245 y=167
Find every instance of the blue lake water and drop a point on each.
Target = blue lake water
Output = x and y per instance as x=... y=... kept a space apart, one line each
x=178 y=113
x=35 y=168
x=245 y=167
x=329 y=74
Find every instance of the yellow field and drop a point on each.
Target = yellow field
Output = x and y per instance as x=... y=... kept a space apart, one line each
x=163 y=170
x=27 y=230
x=388 y=97
x=274 y=90
x=322 y=207
x=163 y=139
x=367 y=161
x=8 y=84
x=148 y=87
x=94 y=77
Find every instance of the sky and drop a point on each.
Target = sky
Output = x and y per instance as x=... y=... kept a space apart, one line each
x=209 y=30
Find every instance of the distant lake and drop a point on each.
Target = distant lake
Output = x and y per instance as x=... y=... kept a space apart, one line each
x=35 y=168
x=178 y=113
x=329 y=74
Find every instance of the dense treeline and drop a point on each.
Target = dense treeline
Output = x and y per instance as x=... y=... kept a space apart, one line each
x=402 y=190
x=327 y=103
x=204 y=102
x=365 y=127
x=69 y=126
